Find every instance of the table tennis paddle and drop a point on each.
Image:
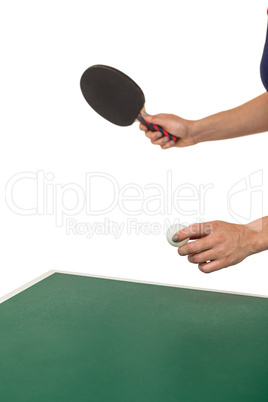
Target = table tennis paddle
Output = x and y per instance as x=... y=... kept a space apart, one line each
x=116 y=97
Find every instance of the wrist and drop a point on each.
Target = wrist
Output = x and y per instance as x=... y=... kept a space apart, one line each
x=200 y=131
x=255 y=242
x=259 y=235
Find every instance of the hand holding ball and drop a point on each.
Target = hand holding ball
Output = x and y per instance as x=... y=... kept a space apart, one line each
x=172 y=231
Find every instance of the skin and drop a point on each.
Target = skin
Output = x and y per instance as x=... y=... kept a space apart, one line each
x=220 y=244
x=217 y=244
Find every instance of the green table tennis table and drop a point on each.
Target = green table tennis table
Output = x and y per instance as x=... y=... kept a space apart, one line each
x=71 y=337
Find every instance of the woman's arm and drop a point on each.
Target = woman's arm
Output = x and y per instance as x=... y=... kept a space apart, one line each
x=249 y=118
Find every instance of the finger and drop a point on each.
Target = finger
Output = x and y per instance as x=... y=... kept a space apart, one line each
x=143 y=128
x=168 y=144
x=200 y=258
x=150 y=134
x=196 y=246
x=158 y=119
x=195 y=231
x=155 y=137
x=214 y=265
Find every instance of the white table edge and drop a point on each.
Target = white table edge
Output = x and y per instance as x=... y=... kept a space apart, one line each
x=49 y=273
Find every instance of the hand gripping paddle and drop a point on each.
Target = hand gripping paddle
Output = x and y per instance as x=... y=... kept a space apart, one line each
x=116 y=97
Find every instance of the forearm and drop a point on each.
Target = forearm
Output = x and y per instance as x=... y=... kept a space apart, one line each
x=259 y=239
x=249 y=118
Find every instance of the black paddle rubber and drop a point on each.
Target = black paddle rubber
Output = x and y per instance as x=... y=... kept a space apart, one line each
x=116 y=97
x=112 y=94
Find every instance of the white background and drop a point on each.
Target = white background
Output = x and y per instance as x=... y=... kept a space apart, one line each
x=192 y=59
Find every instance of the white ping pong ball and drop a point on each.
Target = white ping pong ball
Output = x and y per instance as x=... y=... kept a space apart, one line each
x=173 y=230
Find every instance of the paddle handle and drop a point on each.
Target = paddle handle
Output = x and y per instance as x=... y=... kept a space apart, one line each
x=155 y=127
